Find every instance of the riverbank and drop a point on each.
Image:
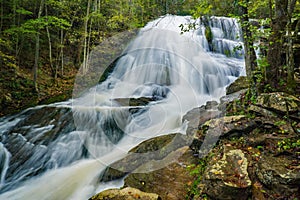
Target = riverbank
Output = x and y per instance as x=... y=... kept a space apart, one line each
x=232 y=150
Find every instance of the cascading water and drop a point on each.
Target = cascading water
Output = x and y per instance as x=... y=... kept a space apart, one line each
x=61 y=154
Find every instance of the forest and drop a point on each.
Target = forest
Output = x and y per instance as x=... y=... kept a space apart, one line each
x=43 y=43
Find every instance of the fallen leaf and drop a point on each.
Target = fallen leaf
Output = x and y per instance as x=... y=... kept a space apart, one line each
x=240 y=162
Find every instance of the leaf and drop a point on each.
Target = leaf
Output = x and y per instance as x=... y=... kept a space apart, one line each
x=22 y=11
x=240 y=162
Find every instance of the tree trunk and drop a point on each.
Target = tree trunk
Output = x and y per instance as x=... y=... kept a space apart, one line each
x=2 y=15
x=37 y=51
x=50 y=48
x=85 y=54
x=61 y=53
x=290 y=51
x=274 y=71
x=250 y=56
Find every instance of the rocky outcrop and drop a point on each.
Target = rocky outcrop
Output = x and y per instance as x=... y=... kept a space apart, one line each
x=154 y=153
x=158 y=165
x=238 y=85
x=239 y=154
x=198 y=116
x=278 y=102
x=224 y=127
x=169 y=182
x=30 y=138
x=125 y=194
x=228 y=177
x=274 y=173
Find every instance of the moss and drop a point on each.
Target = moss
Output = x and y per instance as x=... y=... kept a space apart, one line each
x=208 y=34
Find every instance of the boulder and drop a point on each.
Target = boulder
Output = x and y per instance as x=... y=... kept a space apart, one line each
x=261 y=111
x=278 y=102
x=142 y=101
x=198 y=116
x=239 y=84
x=152 y=150
x=168 y=182
x=276 y=176
x=127 y=193
x=228 y=178
x=227 y=126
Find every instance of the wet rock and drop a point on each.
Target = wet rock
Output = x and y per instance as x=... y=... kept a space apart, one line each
x=278 y=102
x=30 y=140
x=169 y=182
x=238 y=85
x=152 y=150
x=198 y=116
x=127 y=193
x=228 y=177
x=274 y=173
x=142 y=101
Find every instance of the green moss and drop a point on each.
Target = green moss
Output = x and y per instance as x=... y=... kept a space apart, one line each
x=208 y=34
x=193 y=190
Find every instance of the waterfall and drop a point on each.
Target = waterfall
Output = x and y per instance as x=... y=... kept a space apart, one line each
x=162 y=74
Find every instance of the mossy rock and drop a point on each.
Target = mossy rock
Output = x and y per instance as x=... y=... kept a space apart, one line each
x=239 y=84
x=169 y=182
x=278 y=102
x=228 y=178
x=275 y=174
x=127 y=193
x=152 y=150
x=208 y=34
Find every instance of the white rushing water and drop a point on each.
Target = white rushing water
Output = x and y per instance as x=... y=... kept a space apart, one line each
x=176 y=71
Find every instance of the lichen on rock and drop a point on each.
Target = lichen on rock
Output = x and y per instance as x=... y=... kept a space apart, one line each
x=228 y=177
x=127 y=193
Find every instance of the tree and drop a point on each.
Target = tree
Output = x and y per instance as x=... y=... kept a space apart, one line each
x=281 y=69
x=37 y=50
x=250 y=56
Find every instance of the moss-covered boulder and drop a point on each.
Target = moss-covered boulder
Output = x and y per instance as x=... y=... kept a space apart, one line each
x=279 y=175
x=224 y=127
x=127 y=193
x=279 y=102
x=228 y=178
x=238 y=85
x=154 y=150
x=169 y=182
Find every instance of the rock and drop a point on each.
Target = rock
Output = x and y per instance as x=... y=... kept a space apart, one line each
x=127 y=193
x=227 y=126
x=168 y=182
x=152 y=150
x=30 y=140
x=228 y=177
x=239 y=84
x=273 y=173
x=278 y=102
x=198 y=116
x=261 y=111
x=231 y=97
x=142 y=101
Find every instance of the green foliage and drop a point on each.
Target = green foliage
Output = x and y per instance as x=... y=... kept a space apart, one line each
x=197 y=172
x=288 y=144
x=208 y=34
x=22 y=11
